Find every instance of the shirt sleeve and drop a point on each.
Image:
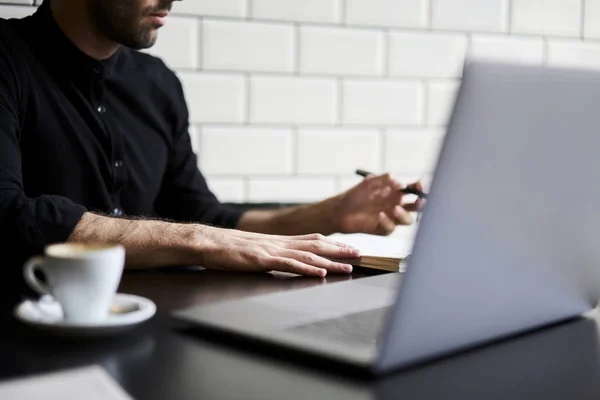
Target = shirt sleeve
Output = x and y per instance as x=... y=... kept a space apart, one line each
x=27 y=224
x=185 y=195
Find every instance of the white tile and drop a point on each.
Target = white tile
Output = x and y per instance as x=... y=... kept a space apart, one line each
x=470 y=15
x=24 y=2
x=177 y=43
x=227 y=190
x=382 y=102
x=12 y=11
x=338 y=151
x=247 y=46
x=571 y=53
x=194 y=132
x=592 y=19
x=393 y=13
x=427 y=55
x=246 y=151
x=297 y=10
x=546 y=17
x=225 y=8
x=507 y=48
x=214 y=97
x=412 y=150
x=440 y=99
x=348 y=182
x=290 y=190
x=292 y=100
x=341 y=51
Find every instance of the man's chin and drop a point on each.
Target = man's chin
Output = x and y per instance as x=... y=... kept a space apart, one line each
x=143 y=43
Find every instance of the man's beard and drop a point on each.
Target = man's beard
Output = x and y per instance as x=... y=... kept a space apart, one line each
x=120 y=23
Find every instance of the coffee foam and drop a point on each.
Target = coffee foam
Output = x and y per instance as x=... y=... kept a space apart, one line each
x=77 y=249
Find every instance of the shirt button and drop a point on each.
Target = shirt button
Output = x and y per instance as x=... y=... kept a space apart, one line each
x=101 y=109
x=118 y=164
x=96 y=70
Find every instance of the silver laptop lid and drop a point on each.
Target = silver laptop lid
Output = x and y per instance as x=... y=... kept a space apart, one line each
x=509 y=238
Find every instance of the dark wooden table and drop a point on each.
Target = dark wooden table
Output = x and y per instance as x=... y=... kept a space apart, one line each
x=163 y=360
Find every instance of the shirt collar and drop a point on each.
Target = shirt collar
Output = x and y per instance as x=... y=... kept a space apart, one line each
x=62 y=52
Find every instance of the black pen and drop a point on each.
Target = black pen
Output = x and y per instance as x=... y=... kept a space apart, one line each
x=407 y=190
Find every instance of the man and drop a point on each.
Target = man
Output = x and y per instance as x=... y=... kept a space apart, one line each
x=94 y=147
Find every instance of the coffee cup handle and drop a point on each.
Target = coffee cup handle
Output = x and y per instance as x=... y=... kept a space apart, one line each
x=28 y=272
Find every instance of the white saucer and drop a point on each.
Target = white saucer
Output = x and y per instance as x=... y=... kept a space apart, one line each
x=46 y=313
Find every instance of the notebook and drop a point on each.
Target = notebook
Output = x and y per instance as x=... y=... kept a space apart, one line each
x=89 y=383
x=383 y=253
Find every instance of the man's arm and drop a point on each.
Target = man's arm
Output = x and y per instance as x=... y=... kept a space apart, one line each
x=28 y=224
x=373 y=206
x=152 y=243
x=295 y=220
x=148 y=243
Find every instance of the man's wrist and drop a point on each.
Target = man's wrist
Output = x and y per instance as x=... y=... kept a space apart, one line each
x=201 y=241
x=332 y=208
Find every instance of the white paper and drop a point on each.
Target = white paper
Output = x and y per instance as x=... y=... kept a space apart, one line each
x=89 y=383
x=375 y=245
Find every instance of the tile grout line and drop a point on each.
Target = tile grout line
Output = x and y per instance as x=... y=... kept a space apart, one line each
x=509 y=8
x=249 y=9
x=582 y=20
x=429 y=11
x=393 y=29
x=341 y=17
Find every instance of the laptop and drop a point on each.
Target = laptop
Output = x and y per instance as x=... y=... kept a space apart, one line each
x=508 y=241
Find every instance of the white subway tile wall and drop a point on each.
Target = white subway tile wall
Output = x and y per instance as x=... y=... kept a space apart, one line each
x=288 y=97
x=386 y=13
x=482 y=15
x=337 y=151
x=251 y=151
x=547 y=17
x=247 y=46
x=427 y=55
x=185 y=32
x=343 y=51
x=326 y=11
x=507 y=48
x=293 y=100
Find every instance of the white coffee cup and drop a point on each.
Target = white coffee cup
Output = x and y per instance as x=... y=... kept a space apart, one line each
x=83 y=278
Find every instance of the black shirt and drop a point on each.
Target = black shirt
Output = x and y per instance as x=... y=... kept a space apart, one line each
x=77 y=134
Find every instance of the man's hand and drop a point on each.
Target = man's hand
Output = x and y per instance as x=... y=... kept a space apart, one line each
x=151 y=243
x=375 y=206
x=236 y=250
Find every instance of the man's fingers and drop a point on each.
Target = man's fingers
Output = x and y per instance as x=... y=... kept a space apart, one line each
x=284 y=264
x=401 y=216
x=386 y=225
x=326 y=249
x=416 y=206
x=417 y=185
x=318 y=243
x=314 y=260
x=306 y=263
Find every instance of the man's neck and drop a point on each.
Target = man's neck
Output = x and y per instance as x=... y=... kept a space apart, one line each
x=74 y=21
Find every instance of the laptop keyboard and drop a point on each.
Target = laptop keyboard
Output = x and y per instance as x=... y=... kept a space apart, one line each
x=362 y=327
